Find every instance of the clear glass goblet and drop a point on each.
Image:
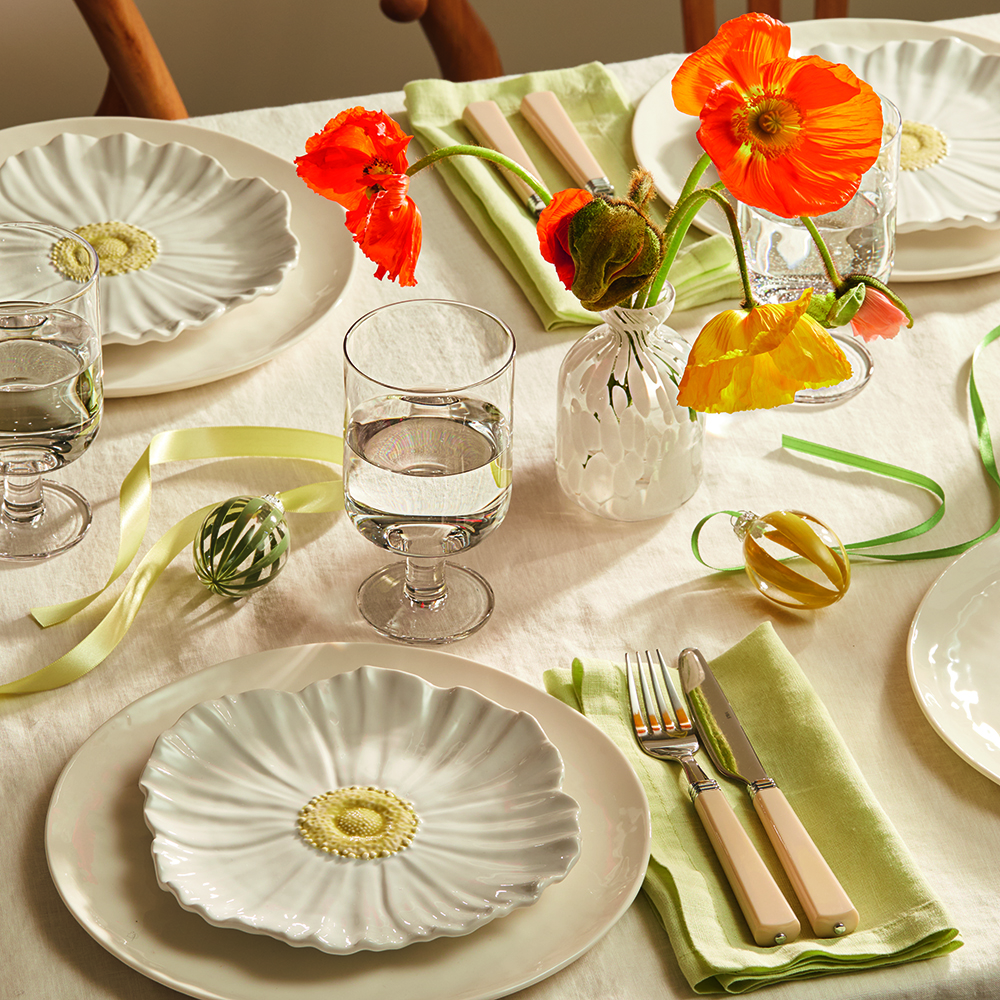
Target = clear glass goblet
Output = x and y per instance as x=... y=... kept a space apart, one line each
x=427 y=459
x=51 y=384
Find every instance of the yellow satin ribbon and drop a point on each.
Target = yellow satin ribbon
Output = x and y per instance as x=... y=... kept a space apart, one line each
x=134 y=502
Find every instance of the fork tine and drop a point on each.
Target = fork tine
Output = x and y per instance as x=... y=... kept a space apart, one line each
x=668 y=719
x=652 y=709
x=680 y=711
x=638 y=720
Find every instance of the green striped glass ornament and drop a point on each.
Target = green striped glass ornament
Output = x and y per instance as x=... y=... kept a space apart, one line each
x=241 y=545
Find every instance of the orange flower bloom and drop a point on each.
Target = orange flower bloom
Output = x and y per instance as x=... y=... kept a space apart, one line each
x=790 y=136
x=358 y=161
x=747 y=359
x=878 y=317
x=553 y=230
x=351 y=155
x=390 y=231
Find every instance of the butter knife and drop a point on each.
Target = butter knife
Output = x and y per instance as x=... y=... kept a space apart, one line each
x=546 y=115
x=826 y=904
x=490 y=128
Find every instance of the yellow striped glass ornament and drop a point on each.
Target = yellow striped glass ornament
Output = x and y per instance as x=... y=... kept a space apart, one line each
x=793 y=558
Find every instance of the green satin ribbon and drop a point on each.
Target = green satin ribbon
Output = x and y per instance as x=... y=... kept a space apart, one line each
x=986 y=456
x=134 y=502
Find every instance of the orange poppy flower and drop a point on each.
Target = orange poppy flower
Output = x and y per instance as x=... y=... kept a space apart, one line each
x=790 y=136
x=553 y=230
x=351 y=154
x=878 y=316
x=747 y=359
x=358 y=161
x=389 y=230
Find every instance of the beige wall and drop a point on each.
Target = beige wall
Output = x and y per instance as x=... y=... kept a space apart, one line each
x=232 y=54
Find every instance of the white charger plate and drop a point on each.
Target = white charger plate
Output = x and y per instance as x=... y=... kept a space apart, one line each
x=98 y=849
x=665 y=143
x=952 y=656
x=254 y=332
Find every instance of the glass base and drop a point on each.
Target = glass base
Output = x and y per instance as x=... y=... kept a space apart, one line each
x=467 y=604
x=861 y=371
x=64 y=521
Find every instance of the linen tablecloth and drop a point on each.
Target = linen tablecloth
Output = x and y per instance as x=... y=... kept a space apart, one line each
x=567 y=583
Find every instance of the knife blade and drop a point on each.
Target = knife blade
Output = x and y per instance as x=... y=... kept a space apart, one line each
x=826 y=904
x=489 y=127
x=546 y=115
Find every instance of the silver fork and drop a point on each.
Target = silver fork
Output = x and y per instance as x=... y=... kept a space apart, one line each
x=668 y=735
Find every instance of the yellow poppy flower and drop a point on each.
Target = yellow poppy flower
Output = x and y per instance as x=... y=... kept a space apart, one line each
x=747 y=359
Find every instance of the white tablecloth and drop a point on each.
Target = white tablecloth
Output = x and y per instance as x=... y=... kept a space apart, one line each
x=567 y=584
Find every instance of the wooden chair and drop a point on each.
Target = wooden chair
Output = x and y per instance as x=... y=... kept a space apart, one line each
x=699 y=17
x=462 y=44
x=140 y=84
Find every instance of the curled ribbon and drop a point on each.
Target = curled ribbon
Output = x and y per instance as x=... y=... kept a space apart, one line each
x=986 y=456
x=134 y=502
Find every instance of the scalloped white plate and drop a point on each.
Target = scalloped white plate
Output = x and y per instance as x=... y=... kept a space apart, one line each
x=955 y=88
x=222 y=240
x=952 y=656
x=256 y=332
x=224 y=787
x=98 y=846
x=664 y=142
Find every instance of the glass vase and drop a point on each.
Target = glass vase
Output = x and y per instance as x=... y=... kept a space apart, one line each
x=624 y=448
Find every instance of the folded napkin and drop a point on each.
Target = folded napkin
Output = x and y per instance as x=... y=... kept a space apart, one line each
x=597 y=105
x=901 y=919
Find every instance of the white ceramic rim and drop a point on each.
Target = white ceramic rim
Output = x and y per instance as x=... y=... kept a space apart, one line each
x=145 y=928
x=931 y=627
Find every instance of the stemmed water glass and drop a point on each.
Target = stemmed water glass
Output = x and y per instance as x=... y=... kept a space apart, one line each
x=51 y=384
x=427 y=458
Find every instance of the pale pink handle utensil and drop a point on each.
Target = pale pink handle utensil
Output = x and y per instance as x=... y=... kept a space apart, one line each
x=489 y=127
x=546 y=115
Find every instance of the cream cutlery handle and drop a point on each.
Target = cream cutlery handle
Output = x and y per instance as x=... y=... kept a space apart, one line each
x=827 y=906
x=546 y=115
x=767 y=912
x=489 y=127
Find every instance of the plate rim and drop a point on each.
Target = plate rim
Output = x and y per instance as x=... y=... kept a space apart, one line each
x=293 y=668
x=983 y=549
x=863 y=33
x=327 y=287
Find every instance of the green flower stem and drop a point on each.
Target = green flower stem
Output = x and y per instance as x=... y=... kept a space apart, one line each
x=680 y=221
x=831 y=269
x=484 y=154
x=692 y=178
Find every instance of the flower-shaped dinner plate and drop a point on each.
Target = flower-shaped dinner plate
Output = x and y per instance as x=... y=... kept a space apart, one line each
x=948 y=94
x=220 y=241
x=665 y=143
x=98 y=849
x=438 y=810
x=952 y=656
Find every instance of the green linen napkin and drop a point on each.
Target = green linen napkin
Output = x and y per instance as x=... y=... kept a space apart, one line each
x=901 y=919
x=597 y=105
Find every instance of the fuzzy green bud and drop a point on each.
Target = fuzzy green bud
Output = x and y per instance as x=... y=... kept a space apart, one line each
x=616 y=249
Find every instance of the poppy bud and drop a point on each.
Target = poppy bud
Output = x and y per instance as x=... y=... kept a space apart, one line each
x=616 y=249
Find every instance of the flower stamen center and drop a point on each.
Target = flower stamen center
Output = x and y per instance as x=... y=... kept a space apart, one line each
x=358 y=822
x=769 y=125
x=922 y=146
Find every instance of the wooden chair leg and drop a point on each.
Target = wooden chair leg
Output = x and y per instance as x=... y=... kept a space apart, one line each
x=137 y=67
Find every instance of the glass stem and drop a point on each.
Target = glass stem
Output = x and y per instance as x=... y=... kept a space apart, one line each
x=425 y=586
x=22 y=498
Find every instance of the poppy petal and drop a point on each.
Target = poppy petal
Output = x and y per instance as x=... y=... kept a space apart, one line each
x=553 y=230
